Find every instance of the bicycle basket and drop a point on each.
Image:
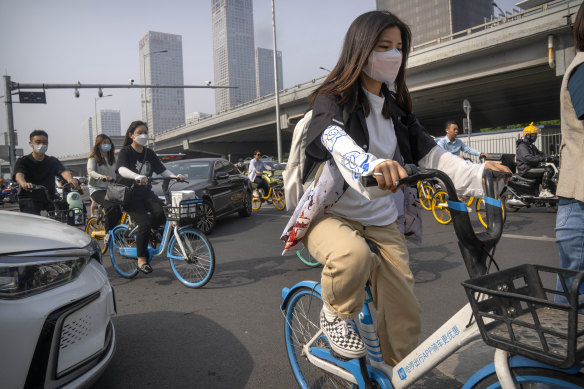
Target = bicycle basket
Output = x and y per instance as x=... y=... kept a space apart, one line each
x=187 y=210
x=516 y=312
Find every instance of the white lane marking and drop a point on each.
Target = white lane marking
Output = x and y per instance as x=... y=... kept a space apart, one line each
x=543 y=237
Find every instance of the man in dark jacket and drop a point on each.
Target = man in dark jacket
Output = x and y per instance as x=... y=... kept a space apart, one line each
x=529 y=160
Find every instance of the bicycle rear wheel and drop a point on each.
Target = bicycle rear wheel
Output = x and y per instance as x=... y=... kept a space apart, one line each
x=121 y=237
x=440 y=208
x=96 y=229
x=482 y=212
x=278 y=199
x=197 y=268
x=302 y=316
x=534 y=377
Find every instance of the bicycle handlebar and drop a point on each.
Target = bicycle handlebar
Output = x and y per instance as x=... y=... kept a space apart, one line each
x=475 y=248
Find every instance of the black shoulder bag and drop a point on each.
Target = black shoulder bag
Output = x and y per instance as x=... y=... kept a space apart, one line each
x=120 y=193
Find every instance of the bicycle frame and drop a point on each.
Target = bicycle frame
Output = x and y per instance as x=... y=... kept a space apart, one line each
x=445 y=341
x=152 y=252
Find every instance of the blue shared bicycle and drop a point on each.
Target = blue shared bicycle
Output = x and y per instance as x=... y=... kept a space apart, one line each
x=190 y=253
x=539 y=343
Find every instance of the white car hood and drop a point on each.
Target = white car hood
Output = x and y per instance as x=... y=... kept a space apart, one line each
x=22 y=232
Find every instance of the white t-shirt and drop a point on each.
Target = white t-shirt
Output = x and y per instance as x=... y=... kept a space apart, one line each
x=371 y=205
x=380 y=209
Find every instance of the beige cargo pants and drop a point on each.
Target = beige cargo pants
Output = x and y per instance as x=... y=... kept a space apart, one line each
x=339 y=245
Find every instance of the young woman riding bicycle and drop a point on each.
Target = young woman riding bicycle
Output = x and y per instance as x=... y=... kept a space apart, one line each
x=136 y=163
x=101 y=169
x=362 y=121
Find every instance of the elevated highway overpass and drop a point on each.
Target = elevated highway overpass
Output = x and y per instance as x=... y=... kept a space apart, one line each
x=509 y=69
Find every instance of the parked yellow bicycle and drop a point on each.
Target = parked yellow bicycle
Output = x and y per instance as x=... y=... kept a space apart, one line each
x=275 y=194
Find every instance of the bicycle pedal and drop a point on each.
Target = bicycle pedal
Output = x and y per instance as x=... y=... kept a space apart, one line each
x=339 y=357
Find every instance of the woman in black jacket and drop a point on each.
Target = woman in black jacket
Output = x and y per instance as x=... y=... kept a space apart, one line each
x=136 y=163
x=362 y=119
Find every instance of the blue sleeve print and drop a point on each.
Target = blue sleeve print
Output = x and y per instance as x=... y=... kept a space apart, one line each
x=330 y=136
x=351 y=162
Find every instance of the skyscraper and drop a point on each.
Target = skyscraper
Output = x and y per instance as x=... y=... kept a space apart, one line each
x=88 y=136
x=233 y=52
x=161 y=62
x=433 y=19
x=108 y=122
x=264 y=66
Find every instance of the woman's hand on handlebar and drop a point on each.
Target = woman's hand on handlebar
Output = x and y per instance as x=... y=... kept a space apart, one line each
x=142 y=180
x=180 y=178
x=387 y=173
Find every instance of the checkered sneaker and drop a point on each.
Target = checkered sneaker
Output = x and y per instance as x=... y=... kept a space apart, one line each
x=342 y=337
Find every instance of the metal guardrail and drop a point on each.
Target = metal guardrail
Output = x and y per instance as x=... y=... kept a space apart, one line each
x=491 y=24
x=507 y=143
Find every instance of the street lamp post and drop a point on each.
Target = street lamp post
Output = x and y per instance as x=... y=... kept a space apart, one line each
x=146 y=90
x=278 y=134
x=95 y=110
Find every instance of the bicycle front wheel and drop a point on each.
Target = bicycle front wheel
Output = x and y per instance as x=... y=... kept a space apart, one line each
x=534 y=377
x=306 y=258
x=440 y=207
x=126 y=266
x=196 y=269
x=425 y=194
x=256 y=203
x=302 y=316
x=278 y=199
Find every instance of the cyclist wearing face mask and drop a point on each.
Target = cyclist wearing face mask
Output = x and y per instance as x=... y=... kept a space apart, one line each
x=37 y=168
x=362 y=125
x=101 y=168
x=136 y=163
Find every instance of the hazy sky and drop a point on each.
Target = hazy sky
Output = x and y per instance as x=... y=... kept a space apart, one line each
x=65 y=41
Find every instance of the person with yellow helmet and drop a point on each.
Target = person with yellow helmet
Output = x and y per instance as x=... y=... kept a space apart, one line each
x=529 y=160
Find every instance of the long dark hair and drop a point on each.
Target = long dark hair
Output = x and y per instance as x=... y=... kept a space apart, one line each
x=135 y=124
x=344 y=80
x=578 y=28
x=96 y=152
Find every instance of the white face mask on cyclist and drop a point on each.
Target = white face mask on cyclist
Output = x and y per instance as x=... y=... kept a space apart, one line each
x=40 y=148
x=383 y=66
x=141 y=139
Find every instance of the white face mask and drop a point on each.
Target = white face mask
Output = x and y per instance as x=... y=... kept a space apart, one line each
x=40 y=149
x=141 y=139
x=383 y=66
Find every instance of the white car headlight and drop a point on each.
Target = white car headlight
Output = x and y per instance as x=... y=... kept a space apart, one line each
x=23 y=276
